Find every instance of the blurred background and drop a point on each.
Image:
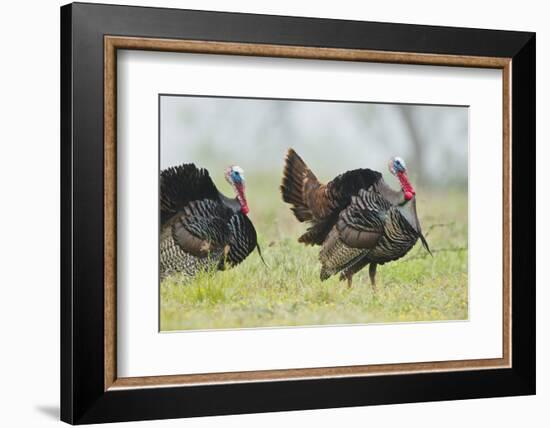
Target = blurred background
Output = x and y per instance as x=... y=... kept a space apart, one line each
x=332 y=137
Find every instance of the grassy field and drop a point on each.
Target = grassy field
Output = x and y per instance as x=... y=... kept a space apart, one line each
x=289 y=293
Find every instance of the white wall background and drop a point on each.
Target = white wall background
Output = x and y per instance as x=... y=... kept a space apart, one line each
x=29 y=213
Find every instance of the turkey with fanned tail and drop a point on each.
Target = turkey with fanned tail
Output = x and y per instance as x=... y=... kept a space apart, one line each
x=202 y=229
x=356 y=218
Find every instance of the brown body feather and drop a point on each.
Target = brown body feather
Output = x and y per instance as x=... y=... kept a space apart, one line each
x=317 y=203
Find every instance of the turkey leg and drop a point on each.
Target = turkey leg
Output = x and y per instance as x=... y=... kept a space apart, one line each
x=349 y=277
x=372 y=275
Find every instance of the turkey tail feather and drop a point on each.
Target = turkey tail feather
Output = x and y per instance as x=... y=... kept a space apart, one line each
x=295 y=175
x=182 y=184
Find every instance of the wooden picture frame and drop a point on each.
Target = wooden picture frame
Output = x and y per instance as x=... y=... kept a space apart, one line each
x=91 y=391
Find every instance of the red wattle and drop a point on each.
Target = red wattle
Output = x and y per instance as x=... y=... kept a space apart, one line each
x=406 y=186
x=242 y=199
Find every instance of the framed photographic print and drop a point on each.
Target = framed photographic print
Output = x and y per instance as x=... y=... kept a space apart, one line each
x=265 y=213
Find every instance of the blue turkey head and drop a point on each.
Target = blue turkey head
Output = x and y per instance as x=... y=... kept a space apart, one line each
x=399 y=169
x=397 y=165
x=235 y=176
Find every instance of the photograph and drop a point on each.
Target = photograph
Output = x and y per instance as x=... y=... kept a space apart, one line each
x=288 y=212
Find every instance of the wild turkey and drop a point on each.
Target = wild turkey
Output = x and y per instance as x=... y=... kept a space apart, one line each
x=201 y=229
x=356 y=218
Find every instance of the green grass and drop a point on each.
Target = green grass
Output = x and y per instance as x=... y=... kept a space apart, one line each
x=289 y=293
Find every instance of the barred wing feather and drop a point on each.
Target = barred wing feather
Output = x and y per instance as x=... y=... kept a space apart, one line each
x=201 y=227
x=242 y=239
x=359 y=228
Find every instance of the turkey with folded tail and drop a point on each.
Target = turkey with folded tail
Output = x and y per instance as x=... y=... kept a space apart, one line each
x=356 y=218
x=202 y=229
